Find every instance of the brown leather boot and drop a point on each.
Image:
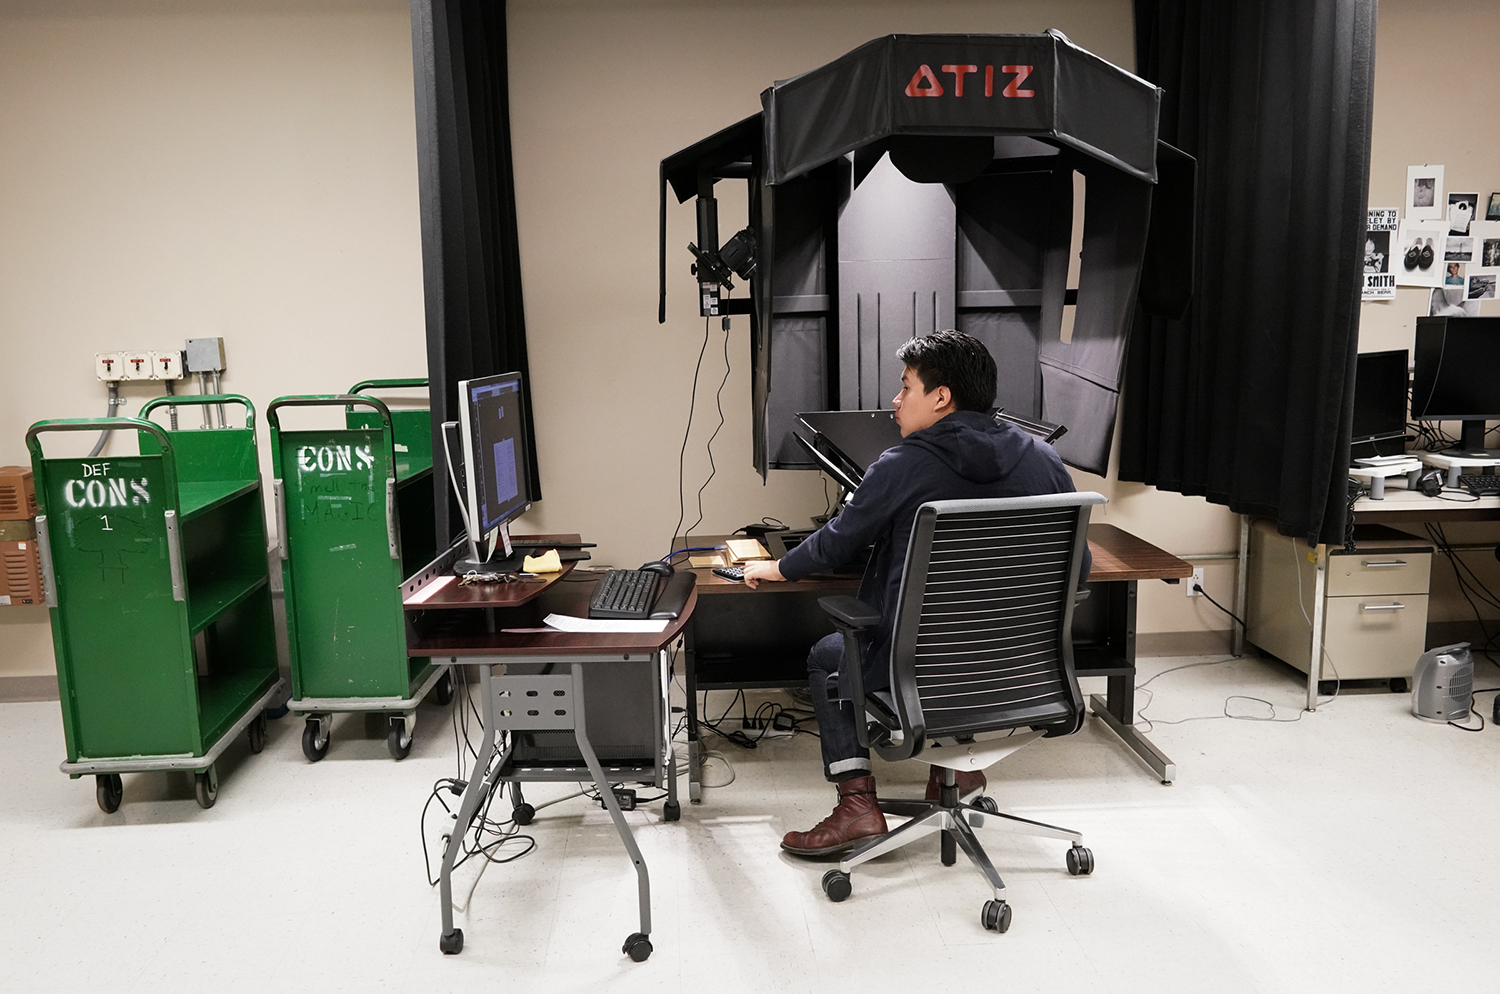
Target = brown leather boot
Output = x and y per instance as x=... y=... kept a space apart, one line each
x=967 y=782
x=856 y=819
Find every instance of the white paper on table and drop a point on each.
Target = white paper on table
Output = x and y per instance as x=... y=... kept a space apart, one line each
x=568 y=623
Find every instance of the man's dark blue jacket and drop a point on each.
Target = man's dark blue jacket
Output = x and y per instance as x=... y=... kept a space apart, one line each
x=964 y=456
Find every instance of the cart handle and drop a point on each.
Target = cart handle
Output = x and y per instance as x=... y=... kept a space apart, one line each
x=327 y=400
x=420 y=381
x=33 y=443
x=200 y=399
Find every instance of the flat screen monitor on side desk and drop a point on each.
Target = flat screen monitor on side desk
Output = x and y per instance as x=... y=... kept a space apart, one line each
x=1380 y=394
x=497 y=488
x=1456 y=377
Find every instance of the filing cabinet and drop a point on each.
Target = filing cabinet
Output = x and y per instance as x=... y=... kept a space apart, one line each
x=1375 y=602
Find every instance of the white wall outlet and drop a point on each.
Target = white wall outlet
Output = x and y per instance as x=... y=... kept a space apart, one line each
x=109 y=366
x=1192 y=583
x=136 y=365
x=166 y=365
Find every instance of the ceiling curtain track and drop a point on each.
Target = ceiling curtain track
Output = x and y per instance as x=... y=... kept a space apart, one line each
x=1247 y=400
x=471 y=267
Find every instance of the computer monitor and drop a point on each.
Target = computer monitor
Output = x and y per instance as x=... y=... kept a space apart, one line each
x=1456 y=376
x=1380 y=390
x=497 y=487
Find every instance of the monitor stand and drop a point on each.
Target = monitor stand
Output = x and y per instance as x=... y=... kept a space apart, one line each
x=1471 y=443
x=508 y=559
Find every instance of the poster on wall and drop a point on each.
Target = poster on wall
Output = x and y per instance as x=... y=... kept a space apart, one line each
x=1482 y=286
x=1424 y=193
x=1493 y=214
x=1380 y=231
x=1461 y=210
x=1417 y=258
x=1486 y=236
x=1449 y=302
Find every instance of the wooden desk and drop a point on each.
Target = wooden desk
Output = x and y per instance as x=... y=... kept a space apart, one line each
x=628 y=739
x=743 y=638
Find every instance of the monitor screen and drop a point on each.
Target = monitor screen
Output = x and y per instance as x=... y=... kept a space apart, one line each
x=496 y=432
x=1456 y=374
x=1379 y=395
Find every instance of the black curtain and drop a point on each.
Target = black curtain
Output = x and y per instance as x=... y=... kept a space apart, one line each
x=471 y=265
x=1247 y=399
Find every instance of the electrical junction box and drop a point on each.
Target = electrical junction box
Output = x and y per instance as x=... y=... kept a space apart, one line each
x=205 y=355
x=166 y=365
x=136 y=365
x=109 y=366
x=17 y=493
x=20 y=573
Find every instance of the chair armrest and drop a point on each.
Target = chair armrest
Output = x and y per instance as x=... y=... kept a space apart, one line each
x=852 y=611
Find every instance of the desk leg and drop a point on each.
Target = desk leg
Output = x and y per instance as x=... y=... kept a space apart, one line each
x=452 y=939
x=690 y=680
x=1117 y=708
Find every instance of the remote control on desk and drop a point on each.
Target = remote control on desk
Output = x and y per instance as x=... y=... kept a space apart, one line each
x=735 y=573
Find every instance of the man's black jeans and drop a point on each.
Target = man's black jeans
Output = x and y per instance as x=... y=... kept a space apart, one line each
x=843 y=757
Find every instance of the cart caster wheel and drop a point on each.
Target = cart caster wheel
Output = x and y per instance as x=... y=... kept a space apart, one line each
x=442 y=694
x=257 y=733
x=671 y=811
x=453 y=943
x=987 y=805
x=1398 y=685
x=1080 y=862
x=397 y=741
x=995 y=916
x=836 y=885
x=1327 y=688
x=522 y=813
x=637 y=947
x=315 y=740
x=206 y=786
x=108 y=790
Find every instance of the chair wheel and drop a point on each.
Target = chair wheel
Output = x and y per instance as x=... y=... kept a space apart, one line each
x=453 y=943
x=206 y=787
x=836 y=885
x=637 y=946
x=107 y=791
x=442 y=693
x=523 y=813
x=1080 y=861
x=314 y=741
x=995 y=916
x=671 y=811
x=987 y=805
x=396 y=739
x=257 y=733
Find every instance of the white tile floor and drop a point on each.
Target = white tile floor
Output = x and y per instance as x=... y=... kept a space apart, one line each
x=1351 y=850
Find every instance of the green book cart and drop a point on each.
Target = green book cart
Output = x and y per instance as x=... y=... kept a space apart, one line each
x=157 y=585
x=354 y=512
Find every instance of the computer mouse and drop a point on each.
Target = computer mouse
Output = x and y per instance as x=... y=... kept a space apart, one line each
x=657 y=566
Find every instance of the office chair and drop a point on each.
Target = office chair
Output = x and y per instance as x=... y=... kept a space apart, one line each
x=981 y=642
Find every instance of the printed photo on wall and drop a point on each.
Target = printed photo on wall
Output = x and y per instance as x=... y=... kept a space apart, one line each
x=1461 y=207
x=1449 y=302
x=1380 y=229
x=1493 y=214
x=1417 y=259
x=1482 y=286
x=1454 y=274
x=1424 y=193
x=1458 y=249
x=1490 y=253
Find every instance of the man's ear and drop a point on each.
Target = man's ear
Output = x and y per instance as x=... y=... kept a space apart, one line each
x=944 y=398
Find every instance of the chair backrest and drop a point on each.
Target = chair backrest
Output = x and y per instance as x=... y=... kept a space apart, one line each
x=982 y=638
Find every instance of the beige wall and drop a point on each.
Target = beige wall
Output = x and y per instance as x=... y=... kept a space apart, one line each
x=175 y=170
x=1432 y=67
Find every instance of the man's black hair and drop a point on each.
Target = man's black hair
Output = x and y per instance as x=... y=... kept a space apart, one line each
x=954 y=360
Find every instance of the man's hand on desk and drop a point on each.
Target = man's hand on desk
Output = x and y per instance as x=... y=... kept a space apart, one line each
x=762 y=570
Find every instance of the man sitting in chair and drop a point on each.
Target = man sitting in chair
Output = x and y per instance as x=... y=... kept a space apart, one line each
x=951 y=449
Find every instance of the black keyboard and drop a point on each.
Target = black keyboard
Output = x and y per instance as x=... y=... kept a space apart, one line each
x=735 y=573
x=1481 y=486
x=624 y=593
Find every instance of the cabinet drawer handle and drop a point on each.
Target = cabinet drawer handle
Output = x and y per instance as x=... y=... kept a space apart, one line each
x=1382 y=607
x=1382 y=564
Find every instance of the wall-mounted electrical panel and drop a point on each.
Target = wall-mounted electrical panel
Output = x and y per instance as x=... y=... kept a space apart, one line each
x=205 y=355
x=166 y=365
x=109 y=366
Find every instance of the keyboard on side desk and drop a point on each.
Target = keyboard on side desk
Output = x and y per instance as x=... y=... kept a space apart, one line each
x=1487 y=485
x=638 y=593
